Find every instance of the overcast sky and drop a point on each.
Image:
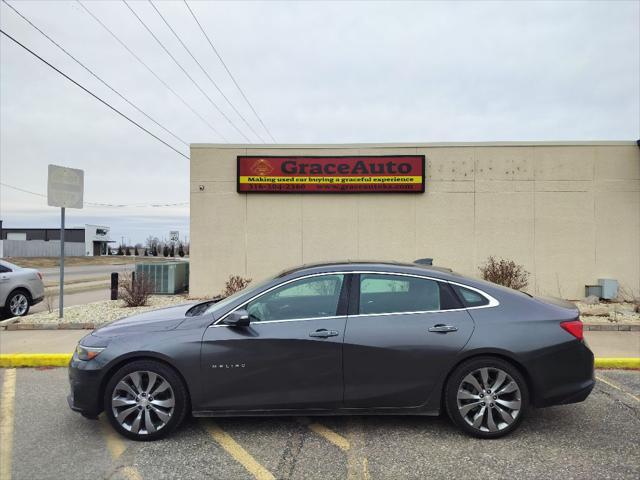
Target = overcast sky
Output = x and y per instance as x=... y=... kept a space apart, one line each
x=315 y=72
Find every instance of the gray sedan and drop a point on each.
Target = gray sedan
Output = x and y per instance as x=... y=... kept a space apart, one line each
x=338 y=339
x=19 y=289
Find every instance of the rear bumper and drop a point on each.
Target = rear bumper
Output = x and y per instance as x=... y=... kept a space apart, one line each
x=565 y=376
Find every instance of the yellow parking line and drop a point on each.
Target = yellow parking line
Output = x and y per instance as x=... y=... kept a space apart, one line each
x=131 y=473
x=357 y=463
x=335 y=438
x=243 y=457
x=7 y=410
x=617 y=387
x=115 y=444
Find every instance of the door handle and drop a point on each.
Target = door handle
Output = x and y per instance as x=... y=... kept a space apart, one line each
x=440 y=328
x=324 y=333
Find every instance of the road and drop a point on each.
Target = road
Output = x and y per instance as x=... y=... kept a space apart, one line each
x=599 y=438
x=52 y=275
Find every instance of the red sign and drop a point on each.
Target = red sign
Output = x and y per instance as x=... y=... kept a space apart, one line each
x=352 y=174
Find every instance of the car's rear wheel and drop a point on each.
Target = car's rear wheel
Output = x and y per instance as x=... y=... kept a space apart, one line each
x=486 y=397
x=18 y=304
x=145 y=400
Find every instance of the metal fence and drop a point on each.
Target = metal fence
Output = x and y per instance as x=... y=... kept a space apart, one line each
x=39 y=248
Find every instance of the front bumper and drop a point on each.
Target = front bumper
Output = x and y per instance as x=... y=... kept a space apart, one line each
x=37 y=300
x=85 y=385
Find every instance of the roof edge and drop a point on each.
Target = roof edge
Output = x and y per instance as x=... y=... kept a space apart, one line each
x=558 y=143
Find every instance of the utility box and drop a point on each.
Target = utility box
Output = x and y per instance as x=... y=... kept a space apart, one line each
x=593 y=291
x=168 y=277
x=609 y=288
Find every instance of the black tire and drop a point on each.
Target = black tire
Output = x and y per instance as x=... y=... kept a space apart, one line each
x=178 y=391
x=12 y=296
x=455 y=383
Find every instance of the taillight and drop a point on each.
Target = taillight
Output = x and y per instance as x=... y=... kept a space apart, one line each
x=574 y=327
x=39 y=275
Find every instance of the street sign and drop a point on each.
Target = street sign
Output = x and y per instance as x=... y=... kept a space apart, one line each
x=65 y=187
x=174 y=235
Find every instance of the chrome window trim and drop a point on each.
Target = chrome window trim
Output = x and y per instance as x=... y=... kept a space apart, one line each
x=493 y=302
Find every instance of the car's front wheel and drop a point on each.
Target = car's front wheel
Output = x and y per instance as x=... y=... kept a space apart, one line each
x=17 y=304
x=486 y=397
x=145 y=400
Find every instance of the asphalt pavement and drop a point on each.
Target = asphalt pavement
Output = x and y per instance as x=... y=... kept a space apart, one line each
x=43 y=439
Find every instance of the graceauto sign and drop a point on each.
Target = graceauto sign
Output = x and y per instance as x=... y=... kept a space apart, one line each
x=350 y=174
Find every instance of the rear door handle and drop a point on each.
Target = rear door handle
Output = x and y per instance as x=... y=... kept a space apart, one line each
x=440 y=328
x=324 y=333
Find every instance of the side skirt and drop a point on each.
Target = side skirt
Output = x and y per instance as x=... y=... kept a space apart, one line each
x=311 y=412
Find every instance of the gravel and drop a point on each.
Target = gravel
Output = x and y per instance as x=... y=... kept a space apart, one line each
x=99 y=313
x=607 y=313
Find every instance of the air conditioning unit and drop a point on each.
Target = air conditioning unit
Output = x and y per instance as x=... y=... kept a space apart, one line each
x=168 y=277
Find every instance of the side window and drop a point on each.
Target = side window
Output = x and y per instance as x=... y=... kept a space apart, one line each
x=4 y=269
x=311 y=297
x=470 y=298
x=395 y=293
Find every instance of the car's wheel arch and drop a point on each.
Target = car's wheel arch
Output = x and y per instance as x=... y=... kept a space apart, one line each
x=119 y=362
x=23 y=289
x=504 y=355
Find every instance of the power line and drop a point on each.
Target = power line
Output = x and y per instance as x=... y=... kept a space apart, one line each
x=229 y=72
x=204 y=120
x=92 y=94
x=99 y=204
x=205 y=72
x=185 y=72
x=96 y=76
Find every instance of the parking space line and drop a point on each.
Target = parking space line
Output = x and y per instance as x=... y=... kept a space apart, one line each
x=115 y=444
x=7 y=410
x=617 y=387
x=357 y=463
x=243 y=457
x=131 y=473
x=333 y=437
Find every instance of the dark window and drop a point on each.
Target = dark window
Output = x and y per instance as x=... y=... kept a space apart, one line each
x=394 y=294
x=311 y=297
x=4 y=269
x=470 y=298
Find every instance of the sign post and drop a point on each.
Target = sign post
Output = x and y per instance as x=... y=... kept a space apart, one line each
x=65 y=189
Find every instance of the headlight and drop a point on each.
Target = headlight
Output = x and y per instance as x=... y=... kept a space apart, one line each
x=88 y=353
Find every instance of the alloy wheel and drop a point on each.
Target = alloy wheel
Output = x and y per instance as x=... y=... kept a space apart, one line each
x=143 y=402
x=18 y=304
x=489 y=399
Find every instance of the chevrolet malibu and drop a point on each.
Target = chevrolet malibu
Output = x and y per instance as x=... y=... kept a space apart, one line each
x=338 y=339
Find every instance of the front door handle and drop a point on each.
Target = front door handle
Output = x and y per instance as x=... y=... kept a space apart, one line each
x=324 y=333
x=440 y=328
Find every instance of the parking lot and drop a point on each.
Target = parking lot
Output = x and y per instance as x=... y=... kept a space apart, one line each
x=42 y=439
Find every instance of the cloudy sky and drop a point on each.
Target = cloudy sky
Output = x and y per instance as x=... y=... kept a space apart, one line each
x=316 y=72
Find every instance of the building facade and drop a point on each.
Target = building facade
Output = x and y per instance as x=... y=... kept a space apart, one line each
x=569 y=212
x=92 y=240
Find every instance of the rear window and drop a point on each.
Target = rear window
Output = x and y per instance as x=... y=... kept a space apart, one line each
x=470 y=298
x=396 y=294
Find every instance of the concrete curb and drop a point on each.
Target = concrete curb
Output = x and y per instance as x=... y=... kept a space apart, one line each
x=13 y=360
x=13 y=324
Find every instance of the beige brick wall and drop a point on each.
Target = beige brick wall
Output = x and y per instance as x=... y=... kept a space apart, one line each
x=569 y=212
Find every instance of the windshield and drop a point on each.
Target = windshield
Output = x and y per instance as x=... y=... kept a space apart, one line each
x=232 y=298
x=10 y=265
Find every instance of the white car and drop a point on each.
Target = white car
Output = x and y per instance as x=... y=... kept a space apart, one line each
x=19 y=289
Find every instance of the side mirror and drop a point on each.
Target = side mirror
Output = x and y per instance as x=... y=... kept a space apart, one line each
x=239 y=318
